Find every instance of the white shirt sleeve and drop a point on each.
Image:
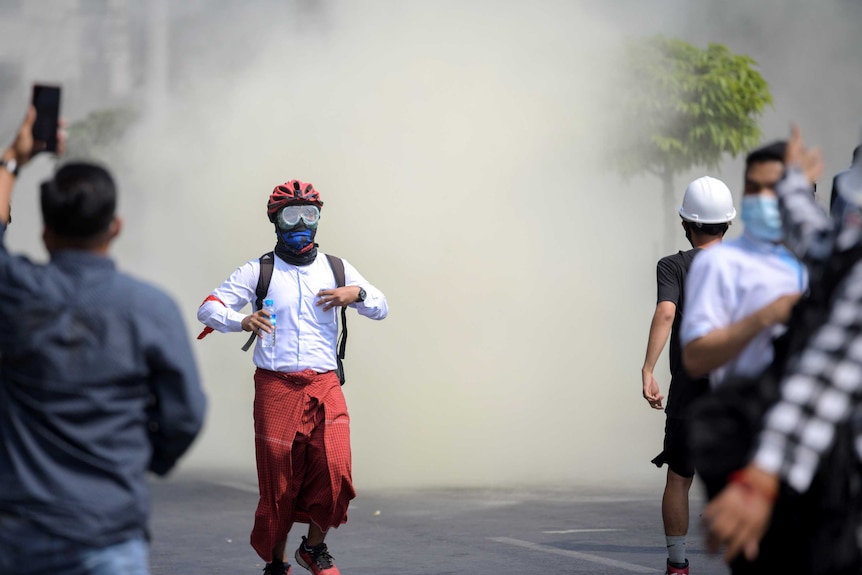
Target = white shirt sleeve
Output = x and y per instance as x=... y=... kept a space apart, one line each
x=375 y=305
x=222 y=312
x=707 y=297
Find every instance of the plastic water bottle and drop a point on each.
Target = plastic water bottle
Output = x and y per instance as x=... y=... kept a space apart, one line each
x=269 y=338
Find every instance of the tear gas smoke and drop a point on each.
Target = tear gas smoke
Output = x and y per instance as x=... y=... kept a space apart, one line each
x=458 y=149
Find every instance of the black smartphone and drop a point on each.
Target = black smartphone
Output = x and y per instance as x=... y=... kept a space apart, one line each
x=46 y=100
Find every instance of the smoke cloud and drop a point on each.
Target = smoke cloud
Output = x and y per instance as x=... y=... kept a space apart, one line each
x=459 y=150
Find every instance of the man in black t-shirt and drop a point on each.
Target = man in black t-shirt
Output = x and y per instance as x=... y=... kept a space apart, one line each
x=706 y=211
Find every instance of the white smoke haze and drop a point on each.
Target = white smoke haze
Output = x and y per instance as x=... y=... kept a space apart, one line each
x=447 y=142
x=458 y=149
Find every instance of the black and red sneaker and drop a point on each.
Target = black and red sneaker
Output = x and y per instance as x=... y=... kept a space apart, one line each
x=672 y=569
x=316 y=559
x=277 y=568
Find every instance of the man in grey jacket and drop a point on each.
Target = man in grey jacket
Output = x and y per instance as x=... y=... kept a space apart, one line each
x=98 y=385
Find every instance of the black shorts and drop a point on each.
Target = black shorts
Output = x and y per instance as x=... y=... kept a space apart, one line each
x=676 y=454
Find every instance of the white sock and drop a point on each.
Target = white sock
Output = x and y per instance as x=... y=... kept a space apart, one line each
x=676 y=548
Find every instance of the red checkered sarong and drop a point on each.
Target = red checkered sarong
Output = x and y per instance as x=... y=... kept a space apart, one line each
x=302 y=444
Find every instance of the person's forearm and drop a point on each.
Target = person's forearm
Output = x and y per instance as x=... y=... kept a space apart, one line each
x=219 y=317
x=375 y=305
x=21 y=150
x=7 y=182
x=808 y=230
x=757 y=480
x=659 y=330
x=706 y=353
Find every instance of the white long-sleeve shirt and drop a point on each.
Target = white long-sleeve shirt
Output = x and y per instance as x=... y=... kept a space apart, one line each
x=305 y=334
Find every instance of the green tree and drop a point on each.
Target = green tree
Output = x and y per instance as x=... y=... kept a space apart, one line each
x=681 y=107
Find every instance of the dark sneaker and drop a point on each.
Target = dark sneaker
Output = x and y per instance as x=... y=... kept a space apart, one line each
x=277 y=568
x=671 y=570
x=316 y=559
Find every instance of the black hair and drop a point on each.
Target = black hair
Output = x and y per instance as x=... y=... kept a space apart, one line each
x=79 y=201
x=857 y=153
x=773 y=152
x=708 y=229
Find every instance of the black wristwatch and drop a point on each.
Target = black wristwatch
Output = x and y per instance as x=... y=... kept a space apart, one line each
x=362 y=295
x=10 y=165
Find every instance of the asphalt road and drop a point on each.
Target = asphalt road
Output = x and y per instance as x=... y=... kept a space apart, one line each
x=201 y=524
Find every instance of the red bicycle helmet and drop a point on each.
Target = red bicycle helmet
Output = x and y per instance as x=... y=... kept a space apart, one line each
x=292 y=192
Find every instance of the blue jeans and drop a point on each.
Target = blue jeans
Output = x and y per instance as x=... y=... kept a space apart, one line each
x=25 y=549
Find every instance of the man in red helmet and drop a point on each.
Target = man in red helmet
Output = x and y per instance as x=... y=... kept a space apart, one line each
x=302 y=431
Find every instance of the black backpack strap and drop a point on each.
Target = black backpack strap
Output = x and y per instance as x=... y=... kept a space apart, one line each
x=267 y=262
x=338 y=271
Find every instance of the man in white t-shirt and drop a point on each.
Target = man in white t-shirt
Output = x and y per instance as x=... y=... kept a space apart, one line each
x=739 y=295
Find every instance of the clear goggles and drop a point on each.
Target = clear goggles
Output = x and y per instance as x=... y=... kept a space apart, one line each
x=289 y=216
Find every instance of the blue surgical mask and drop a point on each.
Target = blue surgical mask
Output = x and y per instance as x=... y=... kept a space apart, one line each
x=761 y=217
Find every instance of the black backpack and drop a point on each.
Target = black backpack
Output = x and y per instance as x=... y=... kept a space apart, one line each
x=724 y=426
x=267 y=263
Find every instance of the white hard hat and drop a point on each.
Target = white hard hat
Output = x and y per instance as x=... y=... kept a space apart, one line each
x=707 y=201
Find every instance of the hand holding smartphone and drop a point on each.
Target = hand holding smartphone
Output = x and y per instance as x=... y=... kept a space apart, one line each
x=46 y=100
